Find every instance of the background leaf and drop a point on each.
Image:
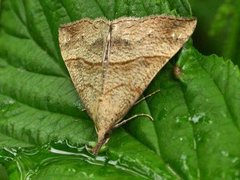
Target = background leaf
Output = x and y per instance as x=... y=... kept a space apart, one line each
x=43 y=132
x=218 y=19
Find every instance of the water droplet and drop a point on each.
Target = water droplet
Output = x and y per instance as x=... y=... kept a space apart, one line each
x=89 y=176
x=225 y=153
x=234 y=160
x=237 y=173
x=20 y=70
x=197 y=117
x=183 y=158
x=177 y=120
x=199 y=138
x=218 y=134
x=223 y=114
x=101 y=158
x=72 y=170
x=113 y=162
x=9 y=102
x=181 y=138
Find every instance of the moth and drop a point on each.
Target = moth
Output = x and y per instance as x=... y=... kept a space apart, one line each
x=111 y=63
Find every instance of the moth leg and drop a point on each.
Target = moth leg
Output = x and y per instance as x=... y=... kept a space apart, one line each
x=132 y=117
x=147 y=96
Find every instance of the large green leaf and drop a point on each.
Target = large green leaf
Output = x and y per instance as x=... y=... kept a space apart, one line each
x=43 y=130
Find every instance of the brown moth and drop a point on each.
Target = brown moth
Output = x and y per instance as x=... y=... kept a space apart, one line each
x=112 y=62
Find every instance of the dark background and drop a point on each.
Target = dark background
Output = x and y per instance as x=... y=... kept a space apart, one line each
x=218 y=30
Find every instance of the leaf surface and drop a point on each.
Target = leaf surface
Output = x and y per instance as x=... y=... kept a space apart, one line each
x=43 y=130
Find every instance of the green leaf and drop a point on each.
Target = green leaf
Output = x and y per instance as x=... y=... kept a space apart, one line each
x=44 y=132
x=224 y=22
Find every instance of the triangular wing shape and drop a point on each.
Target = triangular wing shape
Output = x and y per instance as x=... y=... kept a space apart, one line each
x=112 y=63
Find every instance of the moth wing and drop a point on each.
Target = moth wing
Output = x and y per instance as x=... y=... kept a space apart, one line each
x=82 y=46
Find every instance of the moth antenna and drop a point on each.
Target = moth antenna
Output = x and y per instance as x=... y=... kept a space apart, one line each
x=147 y=96
x=132 y=117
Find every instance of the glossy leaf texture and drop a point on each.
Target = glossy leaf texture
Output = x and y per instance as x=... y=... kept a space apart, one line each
x=44 y=132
